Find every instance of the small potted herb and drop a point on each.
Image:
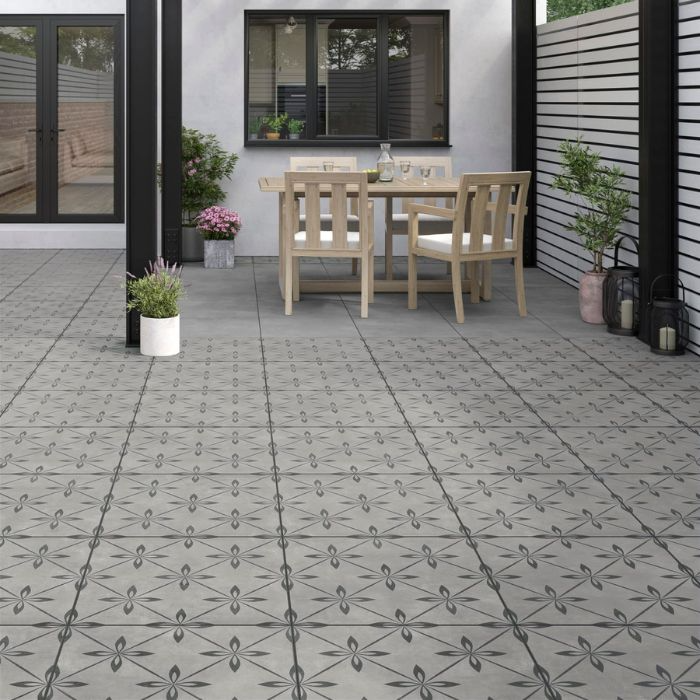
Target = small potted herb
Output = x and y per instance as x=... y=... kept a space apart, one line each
x=295 y=127
x=254 y=127
x=218 y=227
x=276 y=124
x=155 y=296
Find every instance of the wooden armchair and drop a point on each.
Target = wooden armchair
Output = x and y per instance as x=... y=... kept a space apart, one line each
x=312 y=240
x=496 y=216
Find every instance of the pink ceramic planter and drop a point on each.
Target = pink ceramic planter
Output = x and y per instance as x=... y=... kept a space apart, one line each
x=590 y=297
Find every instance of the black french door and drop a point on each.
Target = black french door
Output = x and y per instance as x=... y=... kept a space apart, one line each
x=61 y=119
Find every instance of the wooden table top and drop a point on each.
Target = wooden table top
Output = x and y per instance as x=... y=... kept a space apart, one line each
x=398 y=187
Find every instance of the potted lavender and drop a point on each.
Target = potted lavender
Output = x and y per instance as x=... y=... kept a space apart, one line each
x=155 y=296
x=218 y=227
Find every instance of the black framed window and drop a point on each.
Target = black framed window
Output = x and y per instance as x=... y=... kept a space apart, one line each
x=61 y=118
x=314 y=78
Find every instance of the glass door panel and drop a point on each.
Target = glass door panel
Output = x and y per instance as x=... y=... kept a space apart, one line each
x=85 y=125
x=18 y=120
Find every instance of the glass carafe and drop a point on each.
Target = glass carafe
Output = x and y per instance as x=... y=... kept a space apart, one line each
x=385 y=163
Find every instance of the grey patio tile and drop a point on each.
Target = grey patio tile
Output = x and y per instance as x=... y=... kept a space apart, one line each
x=61 y=449
x=14 y=374
x=205 y=375
x=33 y=327
x=188 y=408
x=27 y=652
x=97 y=327
x=87 y=408
x=348 y=408
x=320 y=375
x=24 y=349
x=94 y=349
x=197 y=451
x=613 y=348
x=558 y=376
x=664 y=374
x=526 y=349
x=684 y=406
x=84 y=375
x=216 y=349
x=342 y=450
x=421 y=349
x=202 y=662
x=440 y=376
x=314 y=349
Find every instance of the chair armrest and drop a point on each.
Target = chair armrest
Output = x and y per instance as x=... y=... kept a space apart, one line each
x=417 y=208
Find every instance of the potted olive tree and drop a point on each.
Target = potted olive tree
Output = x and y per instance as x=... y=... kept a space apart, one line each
x=155 y=296
x=218 y=227
x=605 y=205
x=204 y=164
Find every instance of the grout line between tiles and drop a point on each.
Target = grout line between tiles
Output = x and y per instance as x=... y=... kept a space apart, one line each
x=648 y=531
x=295 y=670
x=58 y=337
x=46 y=262
x=539 y=671
x=53 y=672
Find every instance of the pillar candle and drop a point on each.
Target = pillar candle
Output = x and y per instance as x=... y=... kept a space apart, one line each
x=627 y=314
x=667 y=338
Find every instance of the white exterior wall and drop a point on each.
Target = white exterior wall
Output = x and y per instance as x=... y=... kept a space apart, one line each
x=213 y=99
x=63 y=235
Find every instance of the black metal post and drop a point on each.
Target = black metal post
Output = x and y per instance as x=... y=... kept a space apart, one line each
x=525 y=112
x=141 y=139
x=171 y=86
x=658 y=56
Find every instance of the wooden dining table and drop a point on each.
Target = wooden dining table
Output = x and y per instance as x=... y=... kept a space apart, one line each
x=413 y=187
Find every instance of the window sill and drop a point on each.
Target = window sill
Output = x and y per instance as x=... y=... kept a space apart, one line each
x=343 y=143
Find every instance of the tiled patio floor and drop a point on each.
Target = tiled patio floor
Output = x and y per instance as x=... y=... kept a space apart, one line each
x=328 y=507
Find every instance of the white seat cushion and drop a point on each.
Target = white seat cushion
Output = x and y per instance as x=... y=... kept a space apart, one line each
x=327 y=221
x=429 y=223
x=327 y=239
x=442 y=242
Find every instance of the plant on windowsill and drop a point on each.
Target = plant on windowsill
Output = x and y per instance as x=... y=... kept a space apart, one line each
x=218 y=227
x=204 y=164
x=295 y=127
x=606 y=205
x=255 y=126
x=276 y=125
x=155 y=296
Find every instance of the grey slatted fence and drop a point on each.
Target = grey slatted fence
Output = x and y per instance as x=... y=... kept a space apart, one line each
x=587 y=86
x=689 y=160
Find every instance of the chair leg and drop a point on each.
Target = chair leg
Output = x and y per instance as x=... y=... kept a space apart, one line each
x=412 y=280
x=486 y=280
x=364 y=286
x=520 y=286
x=371 y=276
x=295 y=272
x=288 y=283
x=473 y=273
x=457 y=291
x=448 y=269
x=354 y=267
x=388 y=255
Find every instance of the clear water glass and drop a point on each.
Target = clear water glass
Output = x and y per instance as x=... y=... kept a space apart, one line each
x=405 y=166
x=425 y=173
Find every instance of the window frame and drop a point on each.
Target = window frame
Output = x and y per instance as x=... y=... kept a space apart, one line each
x=311 y=18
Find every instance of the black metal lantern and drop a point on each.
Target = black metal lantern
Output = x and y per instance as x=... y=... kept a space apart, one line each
x=669 y=325
x=621 y=295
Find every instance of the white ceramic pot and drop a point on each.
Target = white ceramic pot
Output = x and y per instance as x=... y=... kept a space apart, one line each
x=160 y=337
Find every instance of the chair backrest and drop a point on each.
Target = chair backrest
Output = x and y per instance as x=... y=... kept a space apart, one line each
x=315 y=163
x=310 y=185
x=440 y=166
x=497 y=204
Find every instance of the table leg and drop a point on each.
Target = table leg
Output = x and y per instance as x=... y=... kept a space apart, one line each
x=388 y=239
x=280 y=244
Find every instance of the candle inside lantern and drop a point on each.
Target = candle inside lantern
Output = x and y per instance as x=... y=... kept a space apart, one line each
x=627 y=314
x=667 y=338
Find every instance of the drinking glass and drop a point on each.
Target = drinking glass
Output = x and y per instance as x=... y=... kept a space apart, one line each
x=425 y=173
x=328 y=166
x=405 y=166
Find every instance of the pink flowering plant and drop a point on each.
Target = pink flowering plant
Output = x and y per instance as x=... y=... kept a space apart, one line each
x=218 y=223
x=204 y=164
